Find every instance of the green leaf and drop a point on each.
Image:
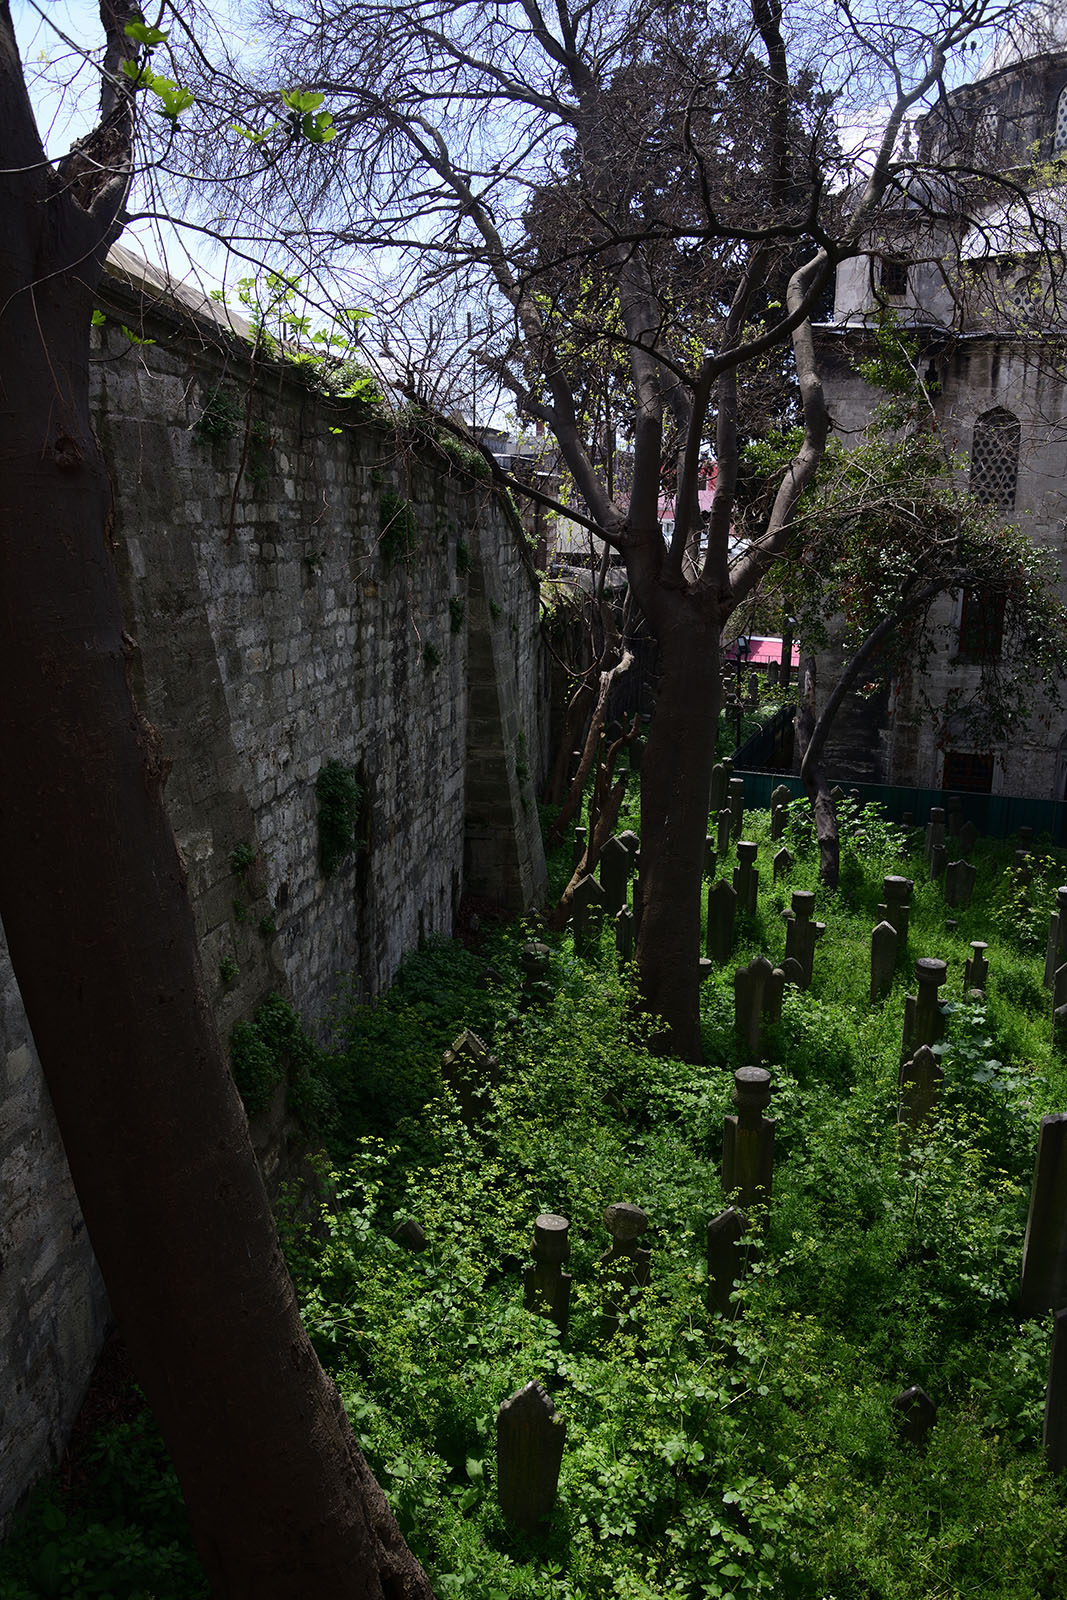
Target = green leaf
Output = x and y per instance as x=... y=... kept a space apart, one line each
x=319 y=129
x=141 y=33
x=98 y=319
x=299 y=100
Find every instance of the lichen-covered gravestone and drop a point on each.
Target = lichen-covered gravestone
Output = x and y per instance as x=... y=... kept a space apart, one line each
x=530 y=1435
x=470 y=1071
x=546 y=1287
x=748 y=1139
x=726 y=1259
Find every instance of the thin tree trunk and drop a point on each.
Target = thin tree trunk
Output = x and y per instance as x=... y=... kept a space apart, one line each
x=814 y=779
x=609 y=798
x=573 y=802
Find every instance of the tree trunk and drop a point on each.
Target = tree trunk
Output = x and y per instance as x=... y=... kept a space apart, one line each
x=814 y=778
x=94 y=905
x=674 y=819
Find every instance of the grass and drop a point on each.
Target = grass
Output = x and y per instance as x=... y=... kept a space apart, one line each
x=703 y=1459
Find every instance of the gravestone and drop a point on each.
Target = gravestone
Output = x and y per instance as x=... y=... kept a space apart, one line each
x=774 y=669
x=918 y=1414
x=534 y=959
x=580 y=836
x=920 y=1084
x=935 y=833
x=924 y=1021
x=723 y=825
x=746 y=877
x=624 y=936
x=968 y=838
x=633 y=845
x=722 y=913
x=896 y=895
x=546 y=1287
x=726 y=1259
x=1054 y=1430
x=411 y=1235
x=802 y=933
x=753 y=688
x=469 y=1069
x=1025 y=837
x=530 y=1435
x=737 y=806
x=637 y=754
x=1044 y=1275
x=720 y=777
x=976 y=970
x=624 y=1266
x=748 y=1139
x=780 y=798
x=883 y=961
x=938 y=860
x=1023 y=866
x=1059 y=1030
x=710 y=855
x=1056 y=952
x=782 y=863
x=615 y=864
x=587 y=903
x=837 y=794
x=955 y=816
x=757 y=999
x=959 y=883
x=792 y=972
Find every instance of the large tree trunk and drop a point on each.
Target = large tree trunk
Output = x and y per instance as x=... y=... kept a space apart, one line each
x=675 y=782
x=94 y=905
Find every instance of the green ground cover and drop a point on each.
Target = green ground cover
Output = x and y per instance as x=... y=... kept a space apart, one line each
x=702 y=1460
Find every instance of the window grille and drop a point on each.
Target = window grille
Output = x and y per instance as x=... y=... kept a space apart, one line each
x=995 y=458
x=981 y=625
x=1059 y=135
x=893 y=277
x=987 y=134
x=968 y=770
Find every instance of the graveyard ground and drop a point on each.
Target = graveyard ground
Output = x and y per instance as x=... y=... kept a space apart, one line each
x=703 y=1458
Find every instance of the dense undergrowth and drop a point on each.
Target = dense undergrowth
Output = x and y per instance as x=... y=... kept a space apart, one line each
x=702 y=1460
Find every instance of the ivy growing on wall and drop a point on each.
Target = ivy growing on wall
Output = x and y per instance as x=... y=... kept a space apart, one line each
x=397 y=528
x=340 y=799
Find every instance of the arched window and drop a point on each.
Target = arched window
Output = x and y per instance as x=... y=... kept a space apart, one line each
x=986 y=135
x=1059 y=132
x=995 y=458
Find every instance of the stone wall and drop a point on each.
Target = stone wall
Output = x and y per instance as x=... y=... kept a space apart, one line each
x=278 y=627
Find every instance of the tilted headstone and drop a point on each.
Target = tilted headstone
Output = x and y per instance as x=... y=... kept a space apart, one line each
x=723 y=824
x=411 y=1235
x=938 y=860
x=580 y=836
x=924 y=1020
x=976 y=971
x=896 y=895
x=624 y=1266
x=710 y=855
x=959 y=883
x=470 y=1071
x=920 y=1085
x=748 y=1139
x=614 y=868
x=722 y=914
x=1056 y=952
x=883 y=961
x=968 y=838
x=1044 y=1276
x=624 y=936
x=1054 y=1430
x=736 y=791
x=837 y=794
x=546 y=1287
x=918 y=1413
x=802 y=933
x=720 y=777
x=781 y=795
x=782 y=863
x=754 y=988
x=792 y=972
x=587 y=904
x=746 y=877
x=726 y=1259
x=530 y=1435
x=955 y=816
x=935 y=833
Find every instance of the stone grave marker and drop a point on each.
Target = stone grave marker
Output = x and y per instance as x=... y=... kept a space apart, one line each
x=411 y=1235
x=976 y=970
x=774 y=669
x=748 y=1139
x=624 y=1266
x=753 y=688
x=1059 y=1029
x=757 y=999
x=530 y=1436
x=737 y=806
x=1044 y=1275
x=968 y=838
x=959 y=883
x=782 y=864
x=780 y=798
x=1054 y=1430
x=580 y=836
x=1056 y=953
x=918 y=1414
x=1025 y=837
x=938 y=860
x=615 y=864
x=924 y=1021
x=720 y=777
x=935 y=833
x=920 y=1085
x=710 y=855
x=746 y=877
x=726 y=1259
x=546 y=1287
x=896 y=894
x=587 y=903
x=637 y=754
x=723 y=825
x=633 y=845
x=624 y=936
x=802 y=933
x=470 y=1070
x=722 y=914
x=534 y=959
x=793 y=972
x=883 y=961
x=837 y=794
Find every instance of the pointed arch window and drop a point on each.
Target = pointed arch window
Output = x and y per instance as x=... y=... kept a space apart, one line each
x=995 y=458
